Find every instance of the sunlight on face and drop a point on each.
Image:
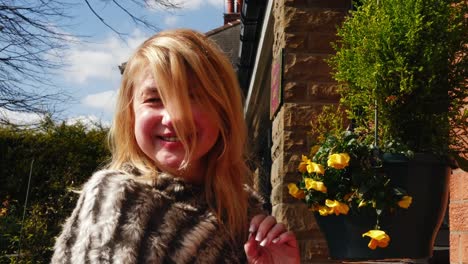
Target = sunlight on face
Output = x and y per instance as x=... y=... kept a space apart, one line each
x=157 y=138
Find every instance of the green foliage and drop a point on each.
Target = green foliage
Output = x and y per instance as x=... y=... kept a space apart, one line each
x=62 y=158
x=329 y=122
x=409 y=57
x=363 y=180
x=347 y=175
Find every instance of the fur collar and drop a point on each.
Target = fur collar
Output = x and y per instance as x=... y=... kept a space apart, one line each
x=121 y=220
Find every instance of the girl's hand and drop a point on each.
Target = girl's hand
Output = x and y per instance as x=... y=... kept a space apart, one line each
x=270 y=242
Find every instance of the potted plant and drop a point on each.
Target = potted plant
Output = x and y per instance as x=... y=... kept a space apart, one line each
x=402 y=69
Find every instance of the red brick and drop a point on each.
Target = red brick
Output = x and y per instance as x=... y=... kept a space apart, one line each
x=458 y=216
x=308 y=92
x=295 y=92
x=296 y=217
x=321 y=42
x=295 y=3
x=459 y=185
x=454 y=248
x=306 y=67
x=319 y=3
x=315 y=250
x=296 y=40
x=311 y=41
x=346 y=4
x=464 y=247
x=295 y=143
x=297 y=116
x=323 y=92
x=280 y=193
x=325 y=20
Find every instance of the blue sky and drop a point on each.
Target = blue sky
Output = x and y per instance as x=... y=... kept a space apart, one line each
x=91 y=76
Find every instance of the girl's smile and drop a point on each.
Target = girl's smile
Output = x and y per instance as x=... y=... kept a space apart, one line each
x=170 y=142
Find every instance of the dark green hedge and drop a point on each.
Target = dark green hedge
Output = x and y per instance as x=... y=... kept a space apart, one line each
x=63 y=157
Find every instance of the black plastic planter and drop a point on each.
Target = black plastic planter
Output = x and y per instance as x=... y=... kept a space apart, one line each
x=412 y=231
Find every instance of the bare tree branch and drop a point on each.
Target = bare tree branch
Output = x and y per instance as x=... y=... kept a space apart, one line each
x=101 y=19
x=33 y=41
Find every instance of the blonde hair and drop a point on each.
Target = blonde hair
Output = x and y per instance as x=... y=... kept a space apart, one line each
x=187 y=66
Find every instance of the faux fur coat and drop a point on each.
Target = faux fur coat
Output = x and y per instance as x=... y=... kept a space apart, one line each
x=120 y=220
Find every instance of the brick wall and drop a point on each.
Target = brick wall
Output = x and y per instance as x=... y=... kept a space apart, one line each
x=303 y=30
x=458 y=215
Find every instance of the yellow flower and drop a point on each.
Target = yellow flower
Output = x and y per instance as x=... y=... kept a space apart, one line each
x=320 y=186
x=337 y=207
x=314 y=150
x=378 y=239
x=295 y=192
x=303 y=165
x=314 y=167
x=3 y=212
x=362 y=203
x=315 y=185
x=338 y=161
x=348 y=196
x=405 y=202
x=324 y=210
x=309 y=183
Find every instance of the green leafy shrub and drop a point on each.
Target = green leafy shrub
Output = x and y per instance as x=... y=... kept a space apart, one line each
x=408 y=58
x=62 y=158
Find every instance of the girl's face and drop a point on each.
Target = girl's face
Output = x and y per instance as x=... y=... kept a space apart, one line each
x=157 y=138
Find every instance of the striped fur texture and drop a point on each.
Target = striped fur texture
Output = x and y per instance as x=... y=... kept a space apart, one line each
x=120 y=220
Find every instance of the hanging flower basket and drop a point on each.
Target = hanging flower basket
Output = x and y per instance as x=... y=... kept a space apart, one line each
x=371 y=205
x=411 y=232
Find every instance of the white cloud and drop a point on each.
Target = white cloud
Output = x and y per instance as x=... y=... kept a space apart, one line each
x=90 y=121
x=31 y=119
x=20 y=118
x=99 y=60
x=104 y=100
x=217 y=3
x=171 y=21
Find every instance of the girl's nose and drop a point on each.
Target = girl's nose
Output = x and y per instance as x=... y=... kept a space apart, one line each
x=166 y=118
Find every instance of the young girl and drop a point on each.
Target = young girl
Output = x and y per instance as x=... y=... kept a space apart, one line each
x=174 y=191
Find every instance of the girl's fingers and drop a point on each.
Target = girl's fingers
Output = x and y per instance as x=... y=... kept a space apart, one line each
x=265 y=225
x=255 y=222
x=286 y=238
x=251 y=248
x=265 y=230
x=273 y=234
